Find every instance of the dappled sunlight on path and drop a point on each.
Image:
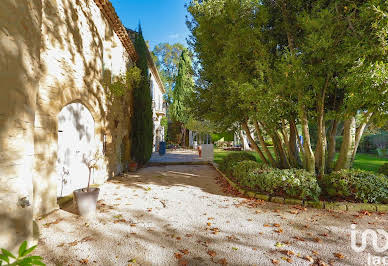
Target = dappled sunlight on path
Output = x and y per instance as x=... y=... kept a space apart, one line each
x=170 y=215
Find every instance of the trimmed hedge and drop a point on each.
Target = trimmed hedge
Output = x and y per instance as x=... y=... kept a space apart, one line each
x=294 y=183
x=227 y=164
x=358 y=185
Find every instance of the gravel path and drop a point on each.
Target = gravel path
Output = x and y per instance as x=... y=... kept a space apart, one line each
x=186 y=215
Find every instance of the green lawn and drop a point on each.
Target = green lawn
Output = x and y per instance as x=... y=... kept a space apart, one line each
x=363 y=161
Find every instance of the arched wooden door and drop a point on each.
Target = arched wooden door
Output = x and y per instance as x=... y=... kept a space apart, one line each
x=75 y=147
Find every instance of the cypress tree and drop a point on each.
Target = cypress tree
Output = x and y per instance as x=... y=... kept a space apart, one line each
x=142 y=123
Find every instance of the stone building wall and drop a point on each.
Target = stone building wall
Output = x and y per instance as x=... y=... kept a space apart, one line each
x=20 y=23
x=54 y=53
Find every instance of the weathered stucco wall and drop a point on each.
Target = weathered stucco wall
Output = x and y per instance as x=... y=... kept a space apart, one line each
x=19 y=75
x=52 y=53
x=78 y=45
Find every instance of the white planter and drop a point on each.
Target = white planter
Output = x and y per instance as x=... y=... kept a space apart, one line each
x=207 y=152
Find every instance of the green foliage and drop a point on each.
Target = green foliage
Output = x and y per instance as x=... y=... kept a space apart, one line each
x=243 y=168
x=122 y=84
x=183 y=89
x=358 y=185
x=167 y=58
x=142 y=123
x=231 y=159
x=228 y=136
x=384 y=169
x=22 y=259
x=281 y=61
x=293 y=183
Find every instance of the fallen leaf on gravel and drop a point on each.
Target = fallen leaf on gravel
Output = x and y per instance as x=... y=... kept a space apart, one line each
x=132 y=260
x=87 y=238
x=279 y=231
x=276 y=225
x=234 y=248
x=318 y=240
x=294 y=212
x=289 y=260
x=182 y=262
x=365 y=213
x=257 y=212
x=178 y=255
x=279 y=245
x=54 y=222
x=315 y=252
x=223 y=261
x=84 y=261
x=339 y=255
x=211 y=253
x=189 y=235
x=320 y=262
x=210 y=218
x=209 y=224
x=275 y=261
x=178 y=238
x=288 y=252
x=184 y=251
x=72 y=244
x=132 y=225
x=266 y=225
x=310 y=259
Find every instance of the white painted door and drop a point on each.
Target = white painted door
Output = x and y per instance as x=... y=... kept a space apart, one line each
x=75 y=147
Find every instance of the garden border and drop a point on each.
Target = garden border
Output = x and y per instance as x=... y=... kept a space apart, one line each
x=341 y=206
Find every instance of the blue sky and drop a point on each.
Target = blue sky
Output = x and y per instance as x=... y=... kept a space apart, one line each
x=161 y=20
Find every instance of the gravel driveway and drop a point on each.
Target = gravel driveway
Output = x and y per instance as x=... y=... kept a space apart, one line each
x=186 y=215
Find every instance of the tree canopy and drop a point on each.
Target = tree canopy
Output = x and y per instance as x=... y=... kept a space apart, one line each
x=284 y=68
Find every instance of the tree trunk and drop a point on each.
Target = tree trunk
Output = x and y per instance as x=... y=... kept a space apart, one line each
x=282 y=157
x=253 y=143
x=263 y=145
x=360 y=130
x=294 y=155
x=320 y=150
x=331 y=148
x=348 y=143
x=308 y=152
x=301 y=150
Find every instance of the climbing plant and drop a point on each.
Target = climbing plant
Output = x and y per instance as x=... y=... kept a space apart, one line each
x=142 y=124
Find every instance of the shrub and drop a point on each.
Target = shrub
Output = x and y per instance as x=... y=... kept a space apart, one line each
x=356 y=184
x=294 y=183
x=231 y=159
x=384 y=169
x=243 y=168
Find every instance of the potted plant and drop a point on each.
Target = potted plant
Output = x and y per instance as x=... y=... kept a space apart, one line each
x=85 y=199
x=132 y=165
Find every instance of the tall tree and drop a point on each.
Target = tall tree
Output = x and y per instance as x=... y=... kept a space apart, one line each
x=142 y=123
x=287 y=64
x=182 y=90
x=167 y=60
